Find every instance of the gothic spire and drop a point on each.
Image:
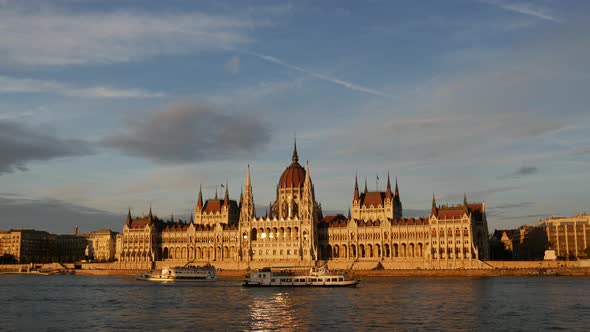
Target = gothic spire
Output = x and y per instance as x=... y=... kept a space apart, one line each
x=366 y=186
x=295 y=158
x=248 y=184
x=434 y=209
x=356 y=188
x=465 y=199
x=388 y=190
x=396 y=188
x=226 y=197
x=128 y=220
x=216 y=193
x=150 y=214
x=200 y=199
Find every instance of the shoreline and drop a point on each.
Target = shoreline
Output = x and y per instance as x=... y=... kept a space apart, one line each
x=500 y=272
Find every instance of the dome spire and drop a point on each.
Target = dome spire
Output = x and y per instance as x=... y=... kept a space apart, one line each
x=295 y=158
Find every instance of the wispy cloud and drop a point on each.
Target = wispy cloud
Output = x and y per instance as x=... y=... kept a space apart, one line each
x=522 y=171
x=10 y=85
x=187 y=132
x=346 y=84
x=524 y=9
x=51 y=36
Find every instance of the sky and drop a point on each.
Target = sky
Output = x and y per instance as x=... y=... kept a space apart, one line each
x=111 y=105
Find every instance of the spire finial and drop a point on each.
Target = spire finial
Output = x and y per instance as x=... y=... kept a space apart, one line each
x=465 y=199
x=295 y=157
x=366 y=185
x=396 y=188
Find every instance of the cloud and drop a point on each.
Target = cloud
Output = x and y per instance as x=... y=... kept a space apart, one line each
x=524 y=9
x=346 y=84
x=513 y=205
x=20 y=145
x=51 y=36
x=54 y=215
x=186 y=132
x=522 y=171
x=233 y=65
x=10 y=85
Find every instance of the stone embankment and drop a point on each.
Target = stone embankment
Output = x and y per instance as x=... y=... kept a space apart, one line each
x=362 y=269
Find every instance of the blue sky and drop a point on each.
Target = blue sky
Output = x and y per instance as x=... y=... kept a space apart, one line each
x=109 y=105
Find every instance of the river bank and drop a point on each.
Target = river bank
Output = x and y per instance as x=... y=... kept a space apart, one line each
x=390 y=273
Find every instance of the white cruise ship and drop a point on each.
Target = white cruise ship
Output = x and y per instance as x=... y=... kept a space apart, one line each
x=317 y=277
x=186 y=273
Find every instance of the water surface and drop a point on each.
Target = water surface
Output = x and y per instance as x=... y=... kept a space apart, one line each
x=65 y=303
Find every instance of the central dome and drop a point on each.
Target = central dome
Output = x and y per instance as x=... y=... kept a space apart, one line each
x=294 y=175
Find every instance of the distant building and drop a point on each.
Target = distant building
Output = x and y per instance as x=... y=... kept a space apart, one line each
x=25 y=244
x=101 y=245
x=28 y=245
x=295 y=231
x=568 y=236
x=501 y=245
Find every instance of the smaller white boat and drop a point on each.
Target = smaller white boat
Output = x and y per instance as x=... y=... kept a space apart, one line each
x=317 y=277
x=185 y=273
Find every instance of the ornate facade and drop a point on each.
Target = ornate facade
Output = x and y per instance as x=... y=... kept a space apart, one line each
x=294 y=230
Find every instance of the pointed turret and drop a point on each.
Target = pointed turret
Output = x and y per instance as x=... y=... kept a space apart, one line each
x=433 y=210
x=128 y=219
x=366 y=186
x=226 y=197
x=348 y=213
x=396 y=188
x=295 y=158
x=216 y=198
x=241 y=195
x=465 y=199
x=247 y=209
x=200 y=199
x=171 y=217
x=388 y=190
x=356 y=188
x=150 y=217
x=192 y=219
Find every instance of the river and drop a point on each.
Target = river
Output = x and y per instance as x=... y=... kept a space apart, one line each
x=106 y=303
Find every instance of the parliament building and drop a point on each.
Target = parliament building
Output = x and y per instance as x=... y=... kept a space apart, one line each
x=294 y=231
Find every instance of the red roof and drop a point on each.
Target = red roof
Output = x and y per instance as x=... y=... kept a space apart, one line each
x=372 y=198
x=293 y=176
x=450 y=213
x=213 y=205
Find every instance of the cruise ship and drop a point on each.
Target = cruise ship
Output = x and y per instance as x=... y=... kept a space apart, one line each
x=316 y=277
x=186 y=273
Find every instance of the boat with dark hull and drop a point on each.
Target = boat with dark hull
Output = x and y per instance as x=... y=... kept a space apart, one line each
x=316 y=277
